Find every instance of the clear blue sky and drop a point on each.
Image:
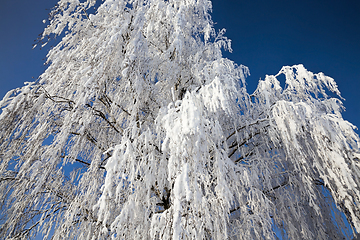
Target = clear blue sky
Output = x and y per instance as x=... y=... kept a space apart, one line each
x=324 y=35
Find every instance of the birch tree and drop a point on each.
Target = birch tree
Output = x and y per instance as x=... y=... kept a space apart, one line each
x=140 y=129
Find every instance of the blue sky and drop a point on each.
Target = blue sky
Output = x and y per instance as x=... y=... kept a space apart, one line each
x=321 y=34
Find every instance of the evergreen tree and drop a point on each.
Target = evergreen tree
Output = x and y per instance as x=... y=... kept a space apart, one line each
x=139 y=129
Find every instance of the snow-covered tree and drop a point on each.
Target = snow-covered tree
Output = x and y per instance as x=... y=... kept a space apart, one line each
x=139 y=129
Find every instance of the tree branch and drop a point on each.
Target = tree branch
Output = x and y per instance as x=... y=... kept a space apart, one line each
x=81 y=161
x=102 y=115
x=238 y=145
x=90 y=138
x=243 y=127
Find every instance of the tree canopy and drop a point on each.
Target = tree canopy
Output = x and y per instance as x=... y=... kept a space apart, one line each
x=140 y=129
